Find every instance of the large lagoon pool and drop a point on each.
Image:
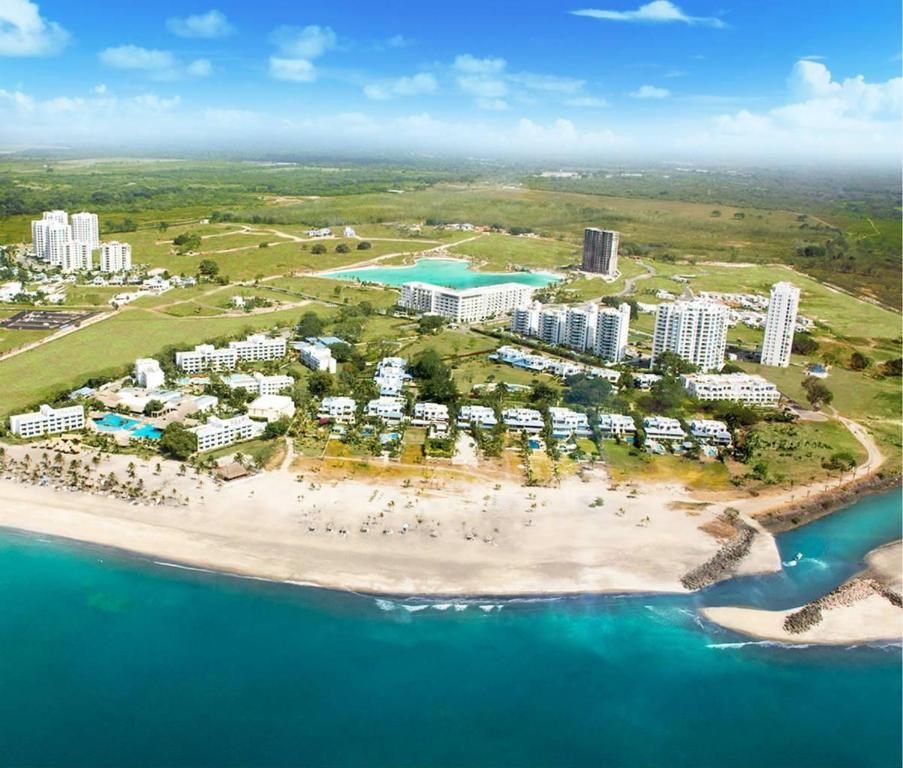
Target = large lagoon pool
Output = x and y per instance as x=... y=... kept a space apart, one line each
x=451 y=273
x=113 y=422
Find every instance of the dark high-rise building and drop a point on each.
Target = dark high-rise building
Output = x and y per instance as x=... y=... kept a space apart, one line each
x=600 y=250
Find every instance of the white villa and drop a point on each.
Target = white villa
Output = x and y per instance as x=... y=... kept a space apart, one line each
x=47 y=421
x=271 y=407
x=710 y=431
x=566 y=422
x=338 y=409
x=616 y=425
x=316 y=356
x=389 y=409
x=217 y=432
x=663 y=428
x=480 y=415
x=434 y=414
x=750 y=389
x=523 y=420
x=258 y=383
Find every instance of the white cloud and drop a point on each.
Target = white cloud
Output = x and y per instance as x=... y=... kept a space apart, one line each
x=650 y=92
x=155 y=103
x=297 y=48
x=656 y=12
x=293 y=70
x=416 y=85
x=492 y=105
x=471 y=65
x=24 y=32
x=587 y=102
x=200 y=68
x=155 y=64
x=212 y=24
x=100 y=89
x=398 y=41
x=548 y=83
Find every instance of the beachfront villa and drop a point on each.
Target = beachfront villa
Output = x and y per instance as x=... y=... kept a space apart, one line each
x=710 y=431
x=317 y=357
x=663 y=428
x=750 y=389
x=481 y=415
x=464 y=306
x=337 y=409
x=389 y=409
x=390 y=376
x=271 y=407
x=523 y=420
x=258 y=383
x=613 y=425
x=430 y=414
x=47 y=421
x=217 y=432
x=644 y=381
x=567 y=423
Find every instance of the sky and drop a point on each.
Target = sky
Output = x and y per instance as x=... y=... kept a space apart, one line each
x=583 y=80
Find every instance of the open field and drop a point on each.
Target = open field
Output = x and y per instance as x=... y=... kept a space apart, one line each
x=625 y=464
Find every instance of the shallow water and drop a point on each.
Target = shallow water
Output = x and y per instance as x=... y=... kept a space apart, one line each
x=451 y=273
x=109 y=660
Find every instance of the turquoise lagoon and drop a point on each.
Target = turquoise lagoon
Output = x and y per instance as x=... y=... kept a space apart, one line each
x=109 y=660
x=451 y=273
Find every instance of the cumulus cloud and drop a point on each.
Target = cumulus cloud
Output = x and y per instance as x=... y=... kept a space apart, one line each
x=297 y=48
x=656 y=12
x=650 y=92
x=154 y=64
x=155 y=103
x=587 y=102
x=210 y=25
x=415 y=85
x=24 y=32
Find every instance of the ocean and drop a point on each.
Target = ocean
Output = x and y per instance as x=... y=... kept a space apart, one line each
x=107 y=660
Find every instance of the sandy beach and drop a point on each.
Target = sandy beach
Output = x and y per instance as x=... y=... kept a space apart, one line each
x=435 y=533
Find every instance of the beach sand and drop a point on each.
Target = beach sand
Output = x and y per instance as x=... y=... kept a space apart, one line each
x=436 y=533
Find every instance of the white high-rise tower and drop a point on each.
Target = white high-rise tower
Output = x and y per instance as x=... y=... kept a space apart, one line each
x=780 y=324
x=51 y=228
x=115 y=257
x=695 y=330
x=85 y=229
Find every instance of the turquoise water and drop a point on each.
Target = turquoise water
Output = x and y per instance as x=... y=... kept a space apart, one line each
x=113 y=422
x=452 y=273
x=111 y=661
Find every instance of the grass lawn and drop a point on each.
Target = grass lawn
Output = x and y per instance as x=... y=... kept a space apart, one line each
x=450 y=343
x=625 y=464
x=339 y=291
x=111 y=346
x=499 y=253
x=412 y=445
x=263 y=453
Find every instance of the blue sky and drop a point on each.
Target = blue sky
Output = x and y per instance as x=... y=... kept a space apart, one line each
x=591 y=79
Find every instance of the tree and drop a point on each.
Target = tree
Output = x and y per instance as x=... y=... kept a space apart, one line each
x=320 y=383
x=427 y=364
x=309 y=325
x=152 y=407
x=342 y=352
x=840 y=461
x=430 y=323
x=543 y=394
x=803 y=344
x=263 y=244
x=187 y=241
x=177 y=442
x=817 y=393
x=343 y=248
x=276 y=428
x=858 y=361
x=318 y=249
x=892 y=367
x=364 y=246
x=208 y=268
x=671 y=364
x=585 y=391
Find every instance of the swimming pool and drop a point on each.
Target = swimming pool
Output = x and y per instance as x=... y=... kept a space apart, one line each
x=451 y=273
x=113 y=422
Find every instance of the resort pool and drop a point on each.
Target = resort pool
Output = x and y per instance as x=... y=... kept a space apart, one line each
x=451 y=273
x=113 y=422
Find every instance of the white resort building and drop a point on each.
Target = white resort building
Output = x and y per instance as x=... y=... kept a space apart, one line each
x=616 y=425
x=148 y=373
x=115 y=257
x=780 y=324
x=663 y=428
x=590 y=328
x=86 y=229
x=219 y=432
x=750 y=389
x=259 y=383
x=75 y=256
x=464 y=306
x=207 y=357
x=710 y=431
x=338 y=409
x=47 y=421
x=481 y=415
x=317 y=357
x=696 y=331
x=566 y=423
x=523 y=420
x=389 y=409
x=425 y=414
x=271 y=407
x=259 y=347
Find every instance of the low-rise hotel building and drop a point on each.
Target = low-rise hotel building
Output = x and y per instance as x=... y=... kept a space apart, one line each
x=338 y=409
x=258 y=383
x=315 y=356
x=206 y=357
x=616 y=425
x=148 y=373
x=47 y=421
x=750 y=389
x=523 y=420
x=481 y=415
x=663 y=428
x=218 y=432
x=464 y=306
x=271 y=407
x=710 y=431
x=259 y=347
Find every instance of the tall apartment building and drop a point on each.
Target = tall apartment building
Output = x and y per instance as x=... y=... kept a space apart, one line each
x=612 y=327
x=58 y=222
x=525 y=320
x=580 y=327
x=115 y=257
x=779 y=325
x=464 y=306
x=74 y=256
x=85 y=228
x=600 y=251
x=695 y=330
x=47 y=421
x=552 y=325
